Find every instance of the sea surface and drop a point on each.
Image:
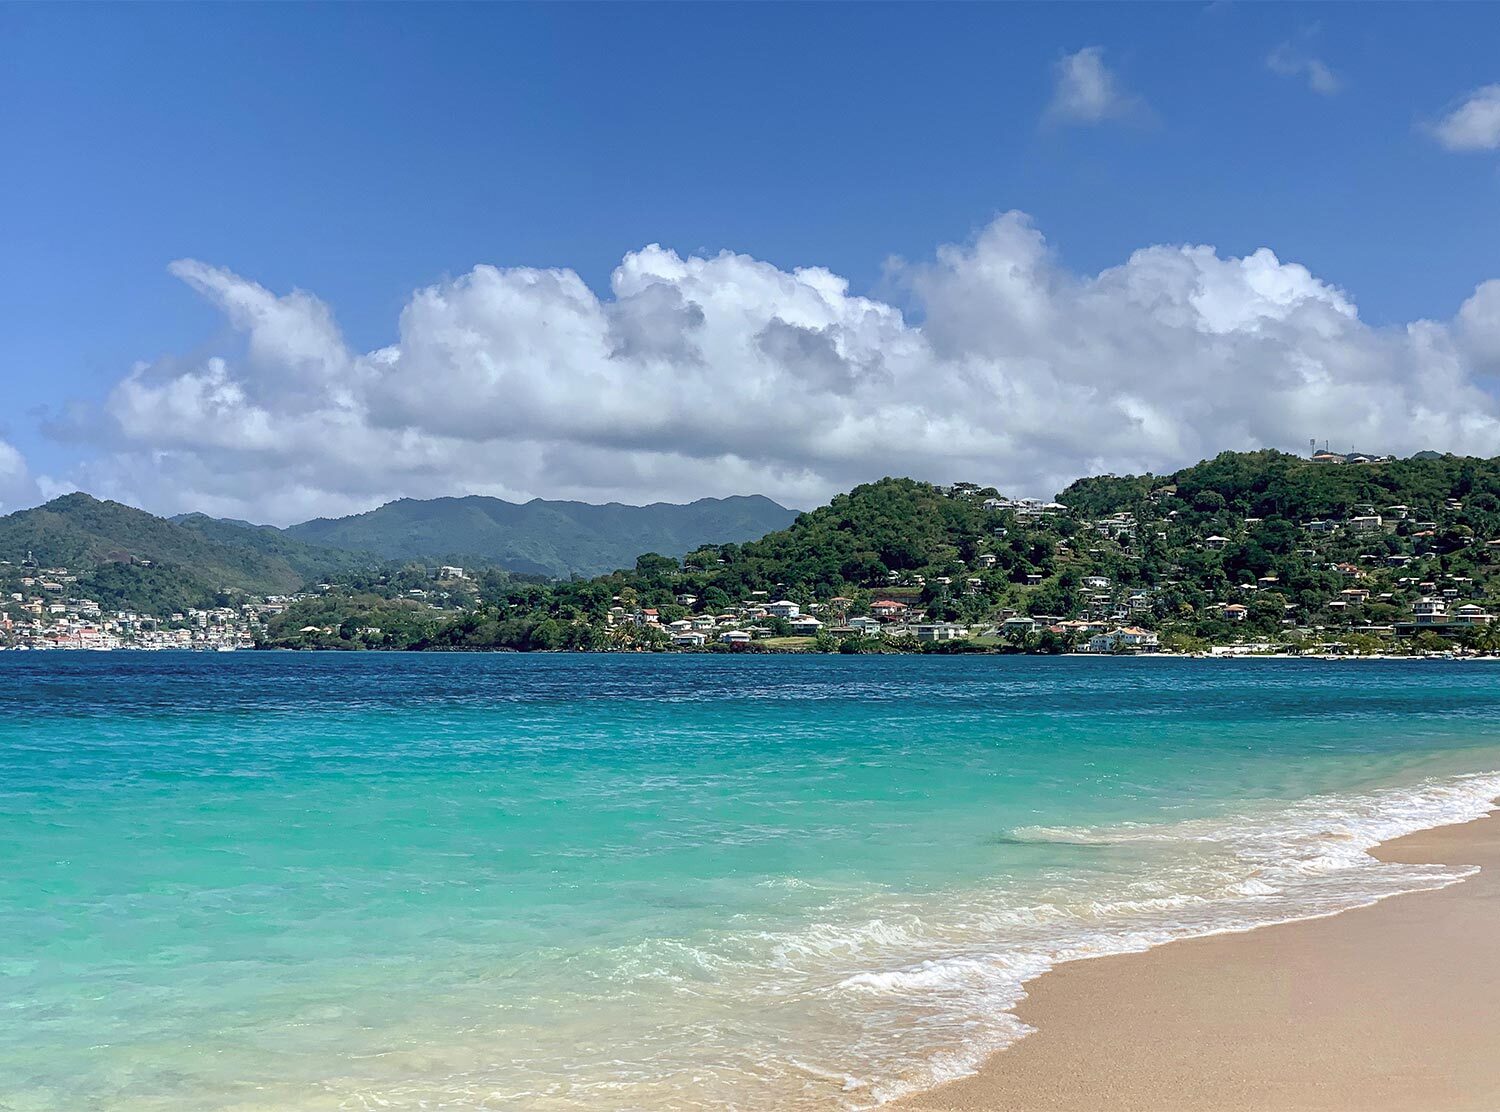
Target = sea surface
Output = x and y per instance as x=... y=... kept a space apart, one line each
x=366 y=881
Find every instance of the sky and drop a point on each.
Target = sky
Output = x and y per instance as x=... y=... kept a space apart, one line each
x=281 y=261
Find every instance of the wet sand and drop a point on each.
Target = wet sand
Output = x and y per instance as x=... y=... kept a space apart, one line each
x=1390 y=1007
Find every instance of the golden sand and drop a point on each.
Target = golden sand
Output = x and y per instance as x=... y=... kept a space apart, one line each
x=1390 y=1007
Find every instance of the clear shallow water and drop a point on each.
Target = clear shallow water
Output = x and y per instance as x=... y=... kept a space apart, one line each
x=272 y=881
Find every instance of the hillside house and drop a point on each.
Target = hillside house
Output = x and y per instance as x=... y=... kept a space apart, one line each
x=1124 y=639
x=939 y=631
x=1428 y=609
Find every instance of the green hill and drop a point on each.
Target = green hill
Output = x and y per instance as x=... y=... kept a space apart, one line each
x=307 y=560
x=542 y=537
x=124 y=557
x=1246 y=545
x=1275 y=484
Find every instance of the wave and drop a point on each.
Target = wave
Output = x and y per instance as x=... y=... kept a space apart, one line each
x=887 y=991
x=1303 y=860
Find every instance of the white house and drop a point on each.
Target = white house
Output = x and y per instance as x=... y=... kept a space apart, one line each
x=783 y=609
x=939 y=631
x=689 y=639
x=735 y=637
x=807 y=626
x=1129 y=638
x=1428 y=608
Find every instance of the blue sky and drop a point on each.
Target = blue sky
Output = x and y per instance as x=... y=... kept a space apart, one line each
x=361 y=152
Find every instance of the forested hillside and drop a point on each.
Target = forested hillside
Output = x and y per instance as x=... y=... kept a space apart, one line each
x=1246 y=545
x=541 y=537
x=1258 y=546
x=124 y=557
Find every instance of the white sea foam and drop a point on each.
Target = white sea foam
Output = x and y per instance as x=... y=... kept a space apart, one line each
x=1304 y=860
x=889 y=991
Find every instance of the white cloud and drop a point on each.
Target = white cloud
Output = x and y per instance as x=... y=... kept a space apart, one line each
x=1288 y=61
x=1478 y=328
x=17 y=488
x=1474 y=125
x=1087 y=92
x=719 y=375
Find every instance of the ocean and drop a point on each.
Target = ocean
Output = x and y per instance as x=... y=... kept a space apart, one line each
x=366 y=881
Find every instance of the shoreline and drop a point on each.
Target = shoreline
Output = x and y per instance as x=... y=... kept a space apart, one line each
x=1389 y=1007
x=310 y=650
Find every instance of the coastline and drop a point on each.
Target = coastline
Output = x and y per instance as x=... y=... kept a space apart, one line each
x=1380 y=1008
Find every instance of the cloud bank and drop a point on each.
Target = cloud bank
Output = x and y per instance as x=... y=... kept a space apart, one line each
x=721 y=375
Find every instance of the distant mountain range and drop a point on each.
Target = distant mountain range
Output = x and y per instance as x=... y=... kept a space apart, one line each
x=128 y=557
x=541 y=537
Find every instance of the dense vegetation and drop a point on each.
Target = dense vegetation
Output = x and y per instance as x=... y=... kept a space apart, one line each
x=309 y=561
x=1271 y=484
x=127 y=558
x=1233 y=531
x=1259 y=545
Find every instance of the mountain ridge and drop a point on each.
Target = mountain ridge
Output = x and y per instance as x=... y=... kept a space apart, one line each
x=129 y=557
x=548 y=537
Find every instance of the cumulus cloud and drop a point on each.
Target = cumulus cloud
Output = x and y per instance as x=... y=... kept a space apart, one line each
x=16 y=485
x=724 y=374
x=1086 y=91
x=1288 y=61
x=1478 y=328
x=1474 y=125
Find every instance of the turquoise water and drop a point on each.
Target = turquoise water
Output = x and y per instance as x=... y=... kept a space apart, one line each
x=279 y=881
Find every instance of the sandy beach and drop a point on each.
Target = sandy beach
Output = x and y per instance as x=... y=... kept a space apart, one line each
x=1391 y=1007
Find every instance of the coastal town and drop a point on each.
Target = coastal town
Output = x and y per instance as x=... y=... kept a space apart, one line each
x=42 y=610
x=1393 y=598
x=1182 y=570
